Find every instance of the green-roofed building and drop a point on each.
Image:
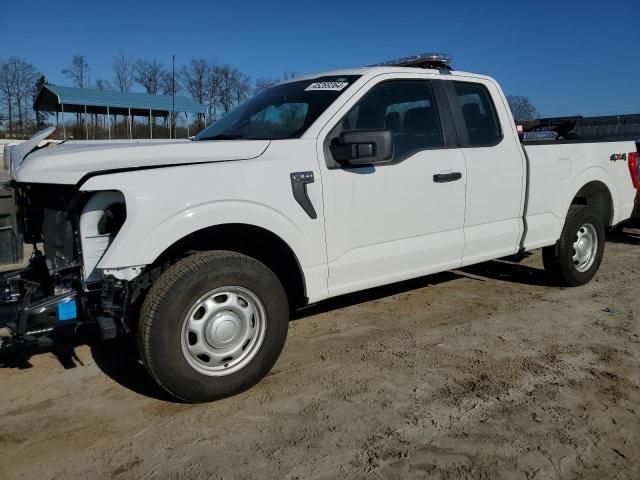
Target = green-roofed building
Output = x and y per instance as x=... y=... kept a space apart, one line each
x=86 y=101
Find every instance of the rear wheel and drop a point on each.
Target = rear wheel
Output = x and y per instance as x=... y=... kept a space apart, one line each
x=576 y=256
x=213 y=325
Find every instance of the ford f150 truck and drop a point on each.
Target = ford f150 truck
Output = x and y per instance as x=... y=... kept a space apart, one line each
x=316 y=187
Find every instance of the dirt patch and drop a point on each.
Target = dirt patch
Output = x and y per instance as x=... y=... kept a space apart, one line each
x=490 y=372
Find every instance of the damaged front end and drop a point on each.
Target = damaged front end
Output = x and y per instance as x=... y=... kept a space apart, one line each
x=62 y=288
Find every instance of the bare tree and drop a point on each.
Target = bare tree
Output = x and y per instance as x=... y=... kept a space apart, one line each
x=78 y=71
x=521 y=108
x=225 y=90
x=7 y=87
x=39 y=84
x=122 y=72
x=23 y=73
x=234 y=87
x=263 y=83
x=149 y=75
x=212 y=89
x=241 y=85
x=266 y=82
x=17 y=79
x=103 y=84
x=194 y=77
x=167 y=84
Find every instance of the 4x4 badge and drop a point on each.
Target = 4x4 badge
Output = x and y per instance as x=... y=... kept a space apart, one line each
x=618 y=156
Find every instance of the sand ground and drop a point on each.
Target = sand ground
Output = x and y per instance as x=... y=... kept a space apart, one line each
x=489 y=372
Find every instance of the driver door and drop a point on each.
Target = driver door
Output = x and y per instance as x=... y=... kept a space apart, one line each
x=402 y=219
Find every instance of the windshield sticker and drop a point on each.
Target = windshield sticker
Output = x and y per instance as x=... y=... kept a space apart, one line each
x=333 y=86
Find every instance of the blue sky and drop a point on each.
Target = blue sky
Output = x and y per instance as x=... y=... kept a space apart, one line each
x=567 y=57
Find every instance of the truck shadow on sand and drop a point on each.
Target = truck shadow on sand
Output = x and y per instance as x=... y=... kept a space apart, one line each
x=629 y=237
x=507 y=269
x=118 y=358
x=377 y=293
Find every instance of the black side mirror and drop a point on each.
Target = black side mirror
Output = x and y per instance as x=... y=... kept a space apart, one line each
x=363 y=147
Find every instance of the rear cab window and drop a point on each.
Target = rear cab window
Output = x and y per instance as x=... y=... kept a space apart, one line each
x=478 y=114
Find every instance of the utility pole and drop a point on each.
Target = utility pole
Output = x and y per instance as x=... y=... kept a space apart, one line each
x=173 y=94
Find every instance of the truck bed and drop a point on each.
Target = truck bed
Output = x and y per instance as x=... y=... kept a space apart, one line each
x=573 y=163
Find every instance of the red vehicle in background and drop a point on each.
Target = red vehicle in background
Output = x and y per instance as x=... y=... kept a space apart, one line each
x=634 y=167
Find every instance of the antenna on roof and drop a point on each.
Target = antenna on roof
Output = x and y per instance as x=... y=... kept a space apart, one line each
x=438 y=61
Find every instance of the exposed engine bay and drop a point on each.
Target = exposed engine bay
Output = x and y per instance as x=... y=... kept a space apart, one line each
x=61 y=287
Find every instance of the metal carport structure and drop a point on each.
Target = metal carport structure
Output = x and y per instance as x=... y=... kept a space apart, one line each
x=84 y=101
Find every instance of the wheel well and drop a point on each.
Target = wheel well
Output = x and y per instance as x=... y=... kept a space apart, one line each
x=597 y=195
x=250 y=240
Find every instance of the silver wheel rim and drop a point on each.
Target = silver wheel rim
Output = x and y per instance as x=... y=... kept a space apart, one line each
x=585 y=247
x=223 y=331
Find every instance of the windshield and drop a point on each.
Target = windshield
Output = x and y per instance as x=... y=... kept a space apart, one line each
x=282 y=111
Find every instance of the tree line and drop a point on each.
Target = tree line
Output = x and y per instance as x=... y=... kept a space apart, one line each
x=219 y=87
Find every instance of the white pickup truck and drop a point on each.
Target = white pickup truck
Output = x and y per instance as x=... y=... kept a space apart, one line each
x=316 y=187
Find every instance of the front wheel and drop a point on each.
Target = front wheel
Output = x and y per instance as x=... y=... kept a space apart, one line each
x=577 y=255
x=213 y=325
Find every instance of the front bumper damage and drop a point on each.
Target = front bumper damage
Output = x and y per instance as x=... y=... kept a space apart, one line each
x=34 y=312
x=53 y=296
x=28 y=314
x=61 y=289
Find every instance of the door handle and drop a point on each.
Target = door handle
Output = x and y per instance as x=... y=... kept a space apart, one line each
x=447 y=177
x=299 y=182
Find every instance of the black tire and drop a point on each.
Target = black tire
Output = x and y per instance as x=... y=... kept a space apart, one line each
x=558 y=259
x=170 y=299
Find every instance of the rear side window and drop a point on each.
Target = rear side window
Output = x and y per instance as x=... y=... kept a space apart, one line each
x=407 y=108
x=479 y=114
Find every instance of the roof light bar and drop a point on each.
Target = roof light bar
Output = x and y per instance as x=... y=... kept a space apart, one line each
x=420 y=60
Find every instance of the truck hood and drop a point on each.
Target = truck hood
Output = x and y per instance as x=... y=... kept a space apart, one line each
x=69 y=162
